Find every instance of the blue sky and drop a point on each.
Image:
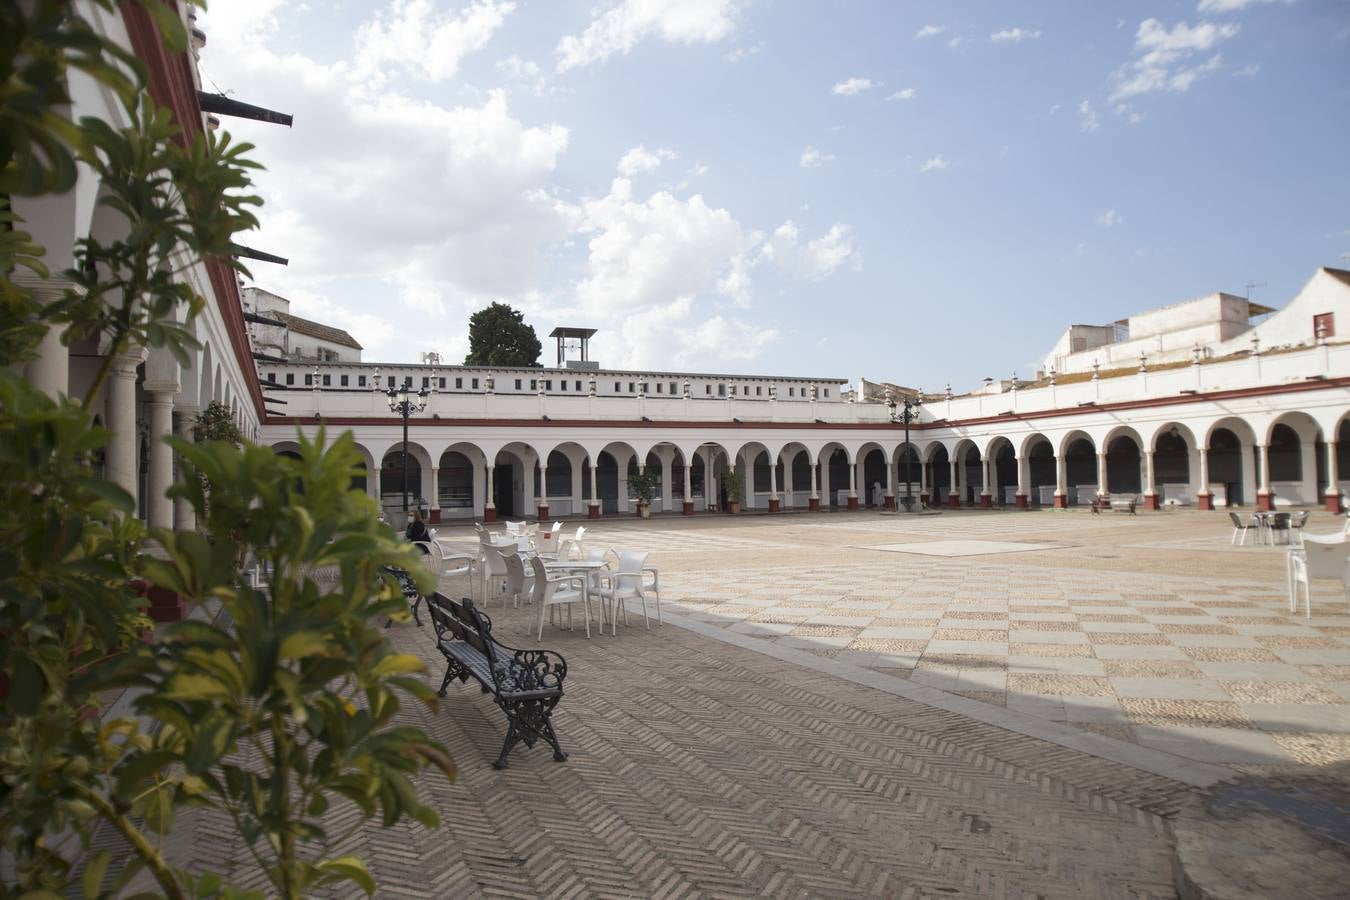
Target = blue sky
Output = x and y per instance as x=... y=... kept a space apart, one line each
x=919 y=192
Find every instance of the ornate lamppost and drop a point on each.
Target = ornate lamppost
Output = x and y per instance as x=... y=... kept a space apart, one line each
x=404 y=402
x=906 y=411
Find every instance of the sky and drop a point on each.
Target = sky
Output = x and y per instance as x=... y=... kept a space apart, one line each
x=916 y=192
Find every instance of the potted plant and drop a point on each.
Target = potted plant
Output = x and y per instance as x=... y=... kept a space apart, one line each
x=642 y=486
x=733 y=483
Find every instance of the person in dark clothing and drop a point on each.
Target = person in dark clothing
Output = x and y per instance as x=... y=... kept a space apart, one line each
x=417 y=529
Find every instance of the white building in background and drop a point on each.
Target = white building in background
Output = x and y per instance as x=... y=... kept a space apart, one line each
x=1257 y=416
x=277 y=333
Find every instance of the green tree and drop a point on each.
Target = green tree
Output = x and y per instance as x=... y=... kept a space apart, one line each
x=303 y=677
x=216 y=423
x=498 y=336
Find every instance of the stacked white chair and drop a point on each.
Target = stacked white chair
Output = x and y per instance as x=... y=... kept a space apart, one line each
x=623 y=584
x=558 y=590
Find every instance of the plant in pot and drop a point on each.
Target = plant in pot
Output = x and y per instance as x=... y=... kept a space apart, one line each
x=733 y=483
x=643 y=485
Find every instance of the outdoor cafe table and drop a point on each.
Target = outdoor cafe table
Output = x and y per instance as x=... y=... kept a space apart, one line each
x=586 y=566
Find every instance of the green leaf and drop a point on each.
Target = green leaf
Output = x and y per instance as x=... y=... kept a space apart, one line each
x=349 y=868
x=92 y=880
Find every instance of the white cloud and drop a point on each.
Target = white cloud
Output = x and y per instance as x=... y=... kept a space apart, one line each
x=812 y=158
x=906 y=94
x=956 y=42
x=929 y=31
x=1014 y=35
x=1251 y=70
x=1087 y=117
x=524 y=72
x=640 y=160
x=854 y=86
x=1054 y=109
x=1161 y=55
x=1110 y=219
x=1223 y=6
x=621 y=27
x=935 y=164
x=414 y=36
x=816 y=258
x=743 y=53
x=459 y=196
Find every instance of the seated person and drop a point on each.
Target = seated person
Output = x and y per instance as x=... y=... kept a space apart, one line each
x=417 y=529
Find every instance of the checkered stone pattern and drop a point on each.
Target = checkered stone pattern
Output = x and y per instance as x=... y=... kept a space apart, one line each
x=1217 y=671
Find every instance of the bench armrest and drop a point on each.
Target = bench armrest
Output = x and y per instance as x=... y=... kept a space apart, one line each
x=531 y=670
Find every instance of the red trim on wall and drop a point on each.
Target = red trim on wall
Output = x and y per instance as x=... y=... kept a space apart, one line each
x=172 y=86
x=1146 y=403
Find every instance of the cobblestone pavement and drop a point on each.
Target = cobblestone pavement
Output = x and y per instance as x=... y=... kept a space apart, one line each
x=1151 y=630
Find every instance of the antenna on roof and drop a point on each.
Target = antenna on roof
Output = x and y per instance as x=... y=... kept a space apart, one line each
x=1251 y=285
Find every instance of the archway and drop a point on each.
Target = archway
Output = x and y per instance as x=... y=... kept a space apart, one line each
x=1123 y=463
x=1003 y=460
x=455 y=485
x=969 y=473
x=909 y=473
x=1173 y=450
x=939 y=475
x=1040 y=463
x=1297 y=459
x=396 y=481
x=1080 y=469
x=875 y=479
x=1226 y=478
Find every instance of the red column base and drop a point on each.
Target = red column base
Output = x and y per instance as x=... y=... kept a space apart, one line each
x=1151 y=502
x=774 y=505
x=1333 y=503
x=165 y=605
x=543 y=512
x=1265 y=502
x=1204 y=501
x=689 y=507
x=434 y=517
x=954 y=501
x=593 y=511
x=888 y=503
x=1022 y=501
x=852 y=502
x=1061 y=501
x=490 y=514
x=813 y=505
x=986 y=501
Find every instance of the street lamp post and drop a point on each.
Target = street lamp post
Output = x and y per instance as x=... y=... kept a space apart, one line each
x=404 y=402
x=906 y=411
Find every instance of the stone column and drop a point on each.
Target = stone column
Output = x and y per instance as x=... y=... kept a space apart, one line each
x=667 y=479
x=49 y=371
x=888 y=502
x=774 y=503
x=923 y=478
x=813 y=502
x=158 y=507
x=1150 y=483
x=688 y=505
x=1103 y=489
x=987 y=471
x=827 y=496
x=490 y=507
x=1204 y=499
x=542 y=505
x=120 y=416
x=953 y=492
x=434 y=511
x=853 y=485
x=184 y=516
x=789 y=485
x=593 y=508
x=1333 y=492
x=1265 y=497
x=1061 y=482
x=1023 y=464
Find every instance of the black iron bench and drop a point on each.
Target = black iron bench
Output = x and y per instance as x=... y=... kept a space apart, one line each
x=526 y=684
x=409 y=589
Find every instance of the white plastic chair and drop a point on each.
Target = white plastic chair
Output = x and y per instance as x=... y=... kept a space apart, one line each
x=623 y=584
x=558 y=590
x=546 y=545
x=576 y=539
x=520 y=584
x=494 y=571
x=515 y=527
x=1320 y=556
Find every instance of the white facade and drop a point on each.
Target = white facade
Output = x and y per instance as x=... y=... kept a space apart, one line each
x=295 y=338
x=1259 y=428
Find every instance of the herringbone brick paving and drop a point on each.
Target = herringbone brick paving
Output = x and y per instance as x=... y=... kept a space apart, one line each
x=703 y=770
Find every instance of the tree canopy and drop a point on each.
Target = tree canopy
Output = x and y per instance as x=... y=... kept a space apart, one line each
x=498 y=336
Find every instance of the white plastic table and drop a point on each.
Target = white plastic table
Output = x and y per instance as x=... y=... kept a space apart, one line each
x=586 y=566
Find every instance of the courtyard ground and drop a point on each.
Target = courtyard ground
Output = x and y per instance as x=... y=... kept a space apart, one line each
x=826 y=713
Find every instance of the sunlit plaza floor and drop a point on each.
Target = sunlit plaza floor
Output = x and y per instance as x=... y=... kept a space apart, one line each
x=826 y=713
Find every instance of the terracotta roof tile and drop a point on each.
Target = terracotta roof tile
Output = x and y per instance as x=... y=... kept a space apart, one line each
x=317 y=330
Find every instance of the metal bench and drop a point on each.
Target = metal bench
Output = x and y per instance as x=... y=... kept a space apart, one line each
x=526 y=684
